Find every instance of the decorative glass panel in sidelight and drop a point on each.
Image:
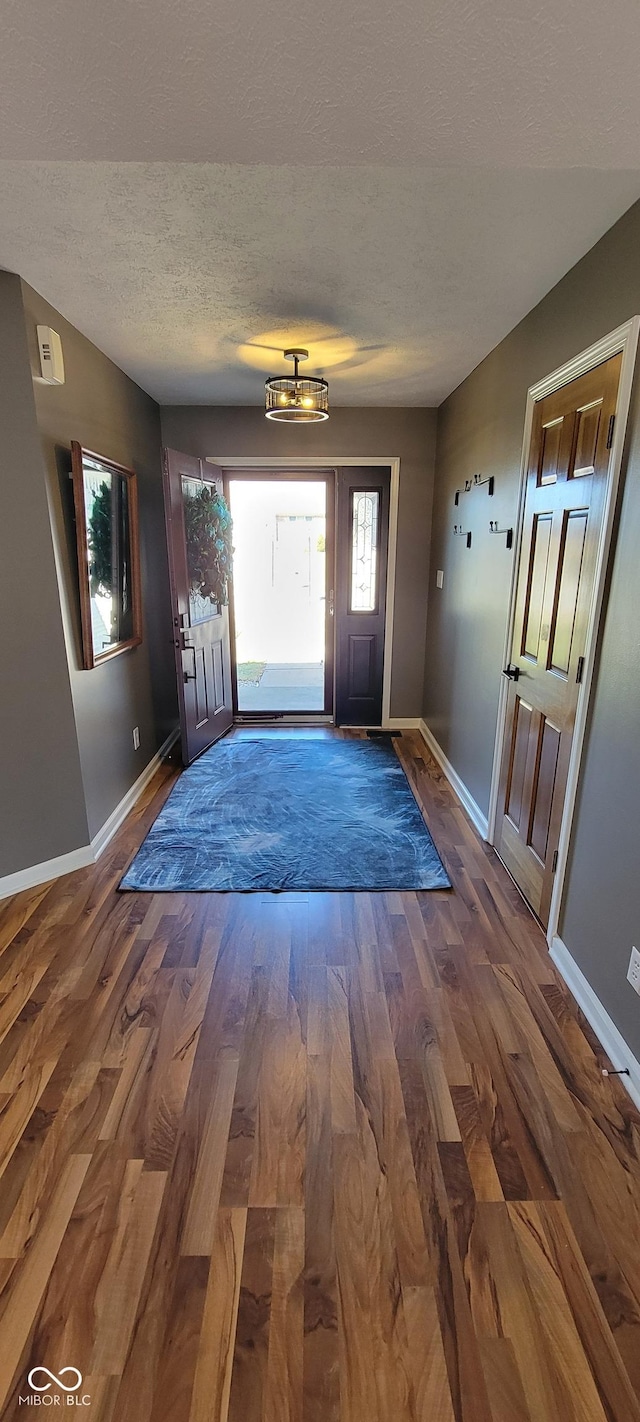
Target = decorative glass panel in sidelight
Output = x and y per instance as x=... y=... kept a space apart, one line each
x=364 y=550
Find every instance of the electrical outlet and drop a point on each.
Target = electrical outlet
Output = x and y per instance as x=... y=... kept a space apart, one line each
x=440 y=578
x=633 y=974
x=136 y=738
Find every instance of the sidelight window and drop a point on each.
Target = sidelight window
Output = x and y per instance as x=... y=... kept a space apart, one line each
x=364 y=550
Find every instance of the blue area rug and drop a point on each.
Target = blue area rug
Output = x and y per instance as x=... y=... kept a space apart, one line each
x=290 y=814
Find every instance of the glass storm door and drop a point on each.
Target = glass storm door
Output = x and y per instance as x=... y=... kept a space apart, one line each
x=282 y=593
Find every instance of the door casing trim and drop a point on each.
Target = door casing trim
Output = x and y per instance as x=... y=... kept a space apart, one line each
x=335 y=461
x=625 y=340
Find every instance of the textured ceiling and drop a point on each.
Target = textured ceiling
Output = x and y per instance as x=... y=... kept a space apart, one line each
x=541 y=83
x=194 y=277
x=198 y=183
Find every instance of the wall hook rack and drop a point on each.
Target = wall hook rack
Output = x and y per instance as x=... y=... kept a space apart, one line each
x=508 y=532
x=460 y=532
x=478 y=482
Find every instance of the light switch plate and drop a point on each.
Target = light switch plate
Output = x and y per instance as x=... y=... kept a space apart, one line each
x=633 y=973
x=136 y=738
x=440 y=578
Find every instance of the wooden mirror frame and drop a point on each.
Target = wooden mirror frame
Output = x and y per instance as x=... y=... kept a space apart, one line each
x=78 y=455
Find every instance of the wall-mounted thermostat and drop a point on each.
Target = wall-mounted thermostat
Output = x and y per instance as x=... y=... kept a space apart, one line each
x=51 y=358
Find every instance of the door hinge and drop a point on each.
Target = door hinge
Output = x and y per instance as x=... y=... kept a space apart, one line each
x=612 y=422
x=554 y=861
x=579 y=669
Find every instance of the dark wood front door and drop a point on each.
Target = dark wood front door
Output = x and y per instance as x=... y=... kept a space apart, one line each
x=361 y=585
x=200 y=626
x=564 y=503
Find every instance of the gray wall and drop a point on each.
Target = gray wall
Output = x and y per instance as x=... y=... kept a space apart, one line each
x=42 y=811
x=410 y=434
x=103 y=409
x=480 y=429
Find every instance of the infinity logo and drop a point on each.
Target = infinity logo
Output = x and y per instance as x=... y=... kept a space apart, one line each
x=42 y=1387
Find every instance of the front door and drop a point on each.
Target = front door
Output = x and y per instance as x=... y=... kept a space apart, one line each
x=564 y=503
x=361 y=585
x=200 y=625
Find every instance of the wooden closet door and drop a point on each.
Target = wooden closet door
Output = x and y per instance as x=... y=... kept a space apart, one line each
x=564 y=503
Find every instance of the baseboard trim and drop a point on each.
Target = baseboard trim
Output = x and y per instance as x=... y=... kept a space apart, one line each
x=401 y=723
x=87 y=853
x=619 y=1054
x=119 y=815
x=478 y=820
x=37 y=874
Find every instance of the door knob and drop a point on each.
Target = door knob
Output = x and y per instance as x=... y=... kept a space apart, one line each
x=512 y=672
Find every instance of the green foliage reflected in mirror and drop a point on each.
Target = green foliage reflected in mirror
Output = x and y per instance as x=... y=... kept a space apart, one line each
x=108 y=560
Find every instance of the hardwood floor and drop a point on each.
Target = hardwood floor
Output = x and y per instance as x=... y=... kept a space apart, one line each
x=332 y=1157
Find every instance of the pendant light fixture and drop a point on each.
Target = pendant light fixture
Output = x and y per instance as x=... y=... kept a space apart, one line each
x=296 y=399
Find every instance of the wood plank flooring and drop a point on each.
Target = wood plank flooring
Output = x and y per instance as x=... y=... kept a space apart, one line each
x=310 y=1157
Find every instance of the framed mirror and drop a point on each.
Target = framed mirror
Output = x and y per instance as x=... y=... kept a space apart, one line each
x=106 y=507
